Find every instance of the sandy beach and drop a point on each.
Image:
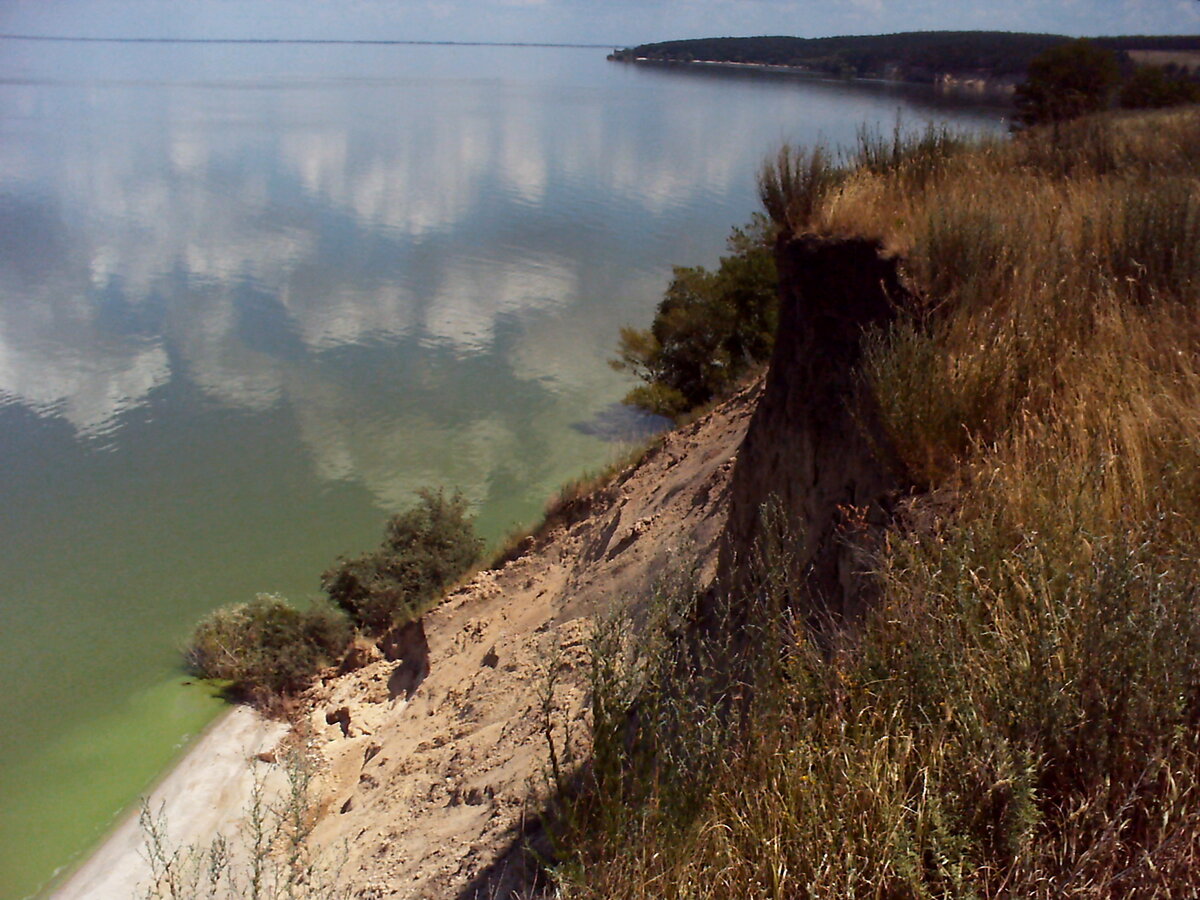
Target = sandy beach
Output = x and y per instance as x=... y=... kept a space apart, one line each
x=204 y=795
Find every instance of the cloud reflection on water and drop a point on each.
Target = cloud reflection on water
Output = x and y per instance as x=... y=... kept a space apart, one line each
x=237 y=238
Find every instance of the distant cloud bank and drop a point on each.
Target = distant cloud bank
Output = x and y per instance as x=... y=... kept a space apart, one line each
x=616 y=22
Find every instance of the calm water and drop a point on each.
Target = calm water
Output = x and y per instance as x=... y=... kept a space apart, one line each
x=252 y=296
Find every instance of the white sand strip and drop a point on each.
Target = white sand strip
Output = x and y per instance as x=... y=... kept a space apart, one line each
x=205 y=794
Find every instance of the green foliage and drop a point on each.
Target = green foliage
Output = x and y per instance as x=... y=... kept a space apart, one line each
x=1067 y=81
x=267 y=648
x=709 y=329
x=1151 y=87
x=424 y=550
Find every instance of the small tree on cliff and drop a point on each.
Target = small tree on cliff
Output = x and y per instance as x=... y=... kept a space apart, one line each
x=708 y=330
x=1069 y=80
x=424 y=550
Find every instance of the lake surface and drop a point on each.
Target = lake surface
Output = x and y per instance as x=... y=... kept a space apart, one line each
x=251 y=297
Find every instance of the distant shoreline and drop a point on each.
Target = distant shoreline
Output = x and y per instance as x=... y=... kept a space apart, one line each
x=992 y=90
x=968 y=63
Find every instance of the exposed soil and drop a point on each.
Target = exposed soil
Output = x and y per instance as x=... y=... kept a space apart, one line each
x=429 y=778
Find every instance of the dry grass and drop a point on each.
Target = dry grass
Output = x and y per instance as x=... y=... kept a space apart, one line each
x=1043 y=285
x=270 y=856
x=1019 y=716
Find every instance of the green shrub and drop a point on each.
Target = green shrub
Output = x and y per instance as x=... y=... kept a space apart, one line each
x=424 y=550
x=267 y=648
x=709 y=329
x=1067 y=81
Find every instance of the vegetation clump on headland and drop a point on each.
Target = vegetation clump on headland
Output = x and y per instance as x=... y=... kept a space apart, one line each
x=1016 y=712
x=267 y=650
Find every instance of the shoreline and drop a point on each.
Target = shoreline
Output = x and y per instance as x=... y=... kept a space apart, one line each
x=204 y=793
x=974 y=86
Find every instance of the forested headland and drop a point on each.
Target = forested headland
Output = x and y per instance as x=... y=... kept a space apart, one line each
x=923 y=56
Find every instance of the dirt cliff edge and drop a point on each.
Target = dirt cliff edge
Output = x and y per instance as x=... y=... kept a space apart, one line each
x=425 y=787
x=435 y=755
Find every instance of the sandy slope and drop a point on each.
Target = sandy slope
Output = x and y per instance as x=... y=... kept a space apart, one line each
x=420 y=795
x=426 y=793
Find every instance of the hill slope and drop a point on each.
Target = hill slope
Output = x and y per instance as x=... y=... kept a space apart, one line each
x=429 y=791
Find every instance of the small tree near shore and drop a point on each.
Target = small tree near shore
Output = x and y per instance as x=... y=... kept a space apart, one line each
x=424 y=550
x=267 y=649
x=709 y=329
x=1067 y=81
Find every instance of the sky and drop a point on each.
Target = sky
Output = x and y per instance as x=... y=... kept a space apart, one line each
x=615 y=22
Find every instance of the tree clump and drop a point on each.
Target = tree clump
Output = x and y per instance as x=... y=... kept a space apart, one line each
x=1154 y=87
x=1067 y=81
x=1080 y=77
x=424 y=550
x=709 y=329
x=267 y=648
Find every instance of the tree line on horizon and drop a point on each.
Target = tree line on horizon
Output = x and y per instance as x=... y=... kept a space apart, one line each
x=912 y=56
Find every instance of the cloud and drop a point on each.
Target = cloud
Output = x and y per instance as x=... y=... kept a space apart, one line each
x=616 y=21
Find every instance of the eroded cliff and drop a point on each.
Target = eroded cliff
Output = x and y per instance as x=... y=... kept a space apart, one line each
x=436 y=756
x=815 y=458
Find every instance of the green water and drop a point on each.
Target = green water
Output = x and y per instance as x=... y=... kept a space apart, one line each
x=252 y=297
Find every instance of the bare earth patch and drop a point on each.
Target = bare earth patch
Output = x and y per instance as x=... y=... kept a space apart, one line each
x=425 y=781
x=427 y=792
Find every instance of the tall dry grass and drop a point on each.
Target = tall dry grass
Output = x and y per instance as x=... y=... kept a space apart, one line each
x=1020 y=714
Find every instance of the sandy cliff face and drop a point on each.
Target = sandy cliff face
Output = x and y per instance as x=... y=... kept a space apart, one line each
x=430 y=776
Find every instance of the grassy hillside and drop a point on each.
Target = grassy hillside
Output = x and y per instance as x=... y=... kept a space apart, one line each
x=917 y=56
x=1018 y=715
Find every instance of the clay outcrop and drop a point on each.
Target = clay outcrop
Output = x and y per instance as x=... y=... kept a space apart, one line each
x=815 y=470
